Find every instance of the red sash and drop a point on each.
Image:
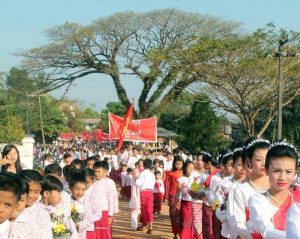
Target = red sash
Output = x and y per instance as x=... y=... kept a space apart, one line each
x=207 y=181
x=279 y=218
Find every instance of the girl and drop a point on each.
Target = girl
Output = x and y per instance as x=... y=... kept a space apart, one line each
x=173 y=176
x=183 y=187
x=254 y=156
x=10 y=159
x=81 y=211
x=123 y=175
x=135 y=202
x=158 y=192
x=268 y=210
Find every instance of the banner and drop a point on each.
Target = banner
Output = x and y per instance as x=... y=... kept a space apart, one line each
x=105 y=137
x=66 y=136
x=92 y=135
x=143 y=130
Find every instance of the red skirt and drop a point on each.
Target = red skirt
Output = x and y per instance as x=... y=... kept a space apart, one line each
x=157 y=201
x=91 y=235
x=128 y=192
x=102 y=228
x=167 y=187
x=175 y=219
x=197 y=220
x=217 y=226
x=186 y=222
x=207 y=230
x=146 y=206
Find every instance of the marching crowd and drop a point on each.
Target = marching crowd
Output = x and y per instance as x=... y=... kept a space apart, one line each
x=250 y=191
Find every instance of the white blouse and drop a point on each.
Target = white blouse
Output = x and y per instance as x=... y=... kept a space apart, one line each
x=293 y=222
x=261 y=214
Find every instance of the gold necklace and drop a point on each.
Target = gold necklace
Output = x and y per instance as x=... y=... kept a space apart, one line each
x=257 y=189
x=274 y=199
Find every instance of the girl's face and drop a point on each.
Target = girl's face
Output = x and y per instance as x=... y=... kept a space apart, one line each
x=90 y=180
x=156 y=164
x=12 y=155
x=228 y=169
x=281 y=172
x=239 y=171
x=258 y=162
x=189 y=169
x=161 y=165
x=141 y=163
x=158 y=176
x=199 y=163
x=78 y=190
x=178 y=165
x=34 y=193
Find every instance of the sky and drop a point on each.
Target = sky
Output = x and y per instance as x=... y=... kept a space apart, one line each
x=22 y=23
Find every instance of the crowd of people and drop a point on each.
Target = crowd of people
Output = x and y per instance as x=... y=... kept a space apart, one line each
x=250 y=191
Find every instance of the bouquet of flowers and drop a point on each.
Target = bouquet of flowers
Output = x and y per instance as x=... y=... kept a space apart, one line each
x=59 y=228
x=221 y=198
x=197 y=191
x=76 y=212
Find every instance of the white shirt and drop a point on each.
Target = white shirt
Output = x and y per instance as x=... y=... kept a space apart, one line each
x=145 y=180
x=241 y=196
x=292 y=222
x=261 y=214
x=131 y=162
x=161 y=187
x=186 y=183
x=168 y=165
x=114 y=162
x=4 y=229
x=128 y=180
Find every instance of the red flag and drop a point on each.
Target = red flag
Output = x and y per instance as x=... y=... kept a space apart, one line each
x=142 y=130
x=124 y=126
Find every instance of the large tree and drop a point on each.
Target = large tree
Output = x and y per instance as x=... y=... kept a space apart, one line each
x=241 y=74
x=129 y=43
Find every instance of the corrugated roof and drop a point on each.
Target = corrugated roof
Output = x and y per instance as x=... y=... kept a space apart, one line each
x=162 y=132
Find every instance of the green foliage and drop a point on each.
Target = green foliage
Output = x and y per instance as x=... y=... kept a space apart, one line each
x=90 y=113
x=200 y=130
x=11 y=129
x=114 y=107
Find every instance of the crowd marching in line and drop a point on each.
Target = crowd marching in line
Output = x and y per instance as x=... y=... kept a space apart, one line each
x=250 y=191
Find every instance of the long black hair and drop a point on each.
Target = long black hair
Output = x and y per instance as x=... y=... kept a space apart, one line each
x=5 y=152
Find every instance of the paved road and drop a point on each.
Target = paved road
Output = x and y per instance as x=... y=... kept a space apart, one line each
x=122 y=229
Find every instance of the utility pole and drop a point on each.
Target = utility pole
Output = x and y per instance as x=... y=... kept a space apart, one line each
x=280 y=88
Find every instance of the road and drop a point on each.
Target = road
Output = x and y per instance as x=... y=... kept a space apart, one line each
x=122 y=229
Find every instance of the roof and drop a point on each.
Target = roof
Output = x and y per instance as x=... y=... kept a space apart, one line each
x=91 y=121
x=163 y=133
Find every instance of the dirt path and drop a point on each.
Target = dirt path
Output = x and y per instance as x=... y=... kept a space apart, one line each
x=122 y=229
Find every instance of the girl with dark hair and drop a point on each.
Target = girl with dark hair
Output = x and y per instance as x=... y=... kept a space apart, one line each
x=268 y=210
x=173 y=176
x=10 y=159
x=183 y=187
x=254 y=156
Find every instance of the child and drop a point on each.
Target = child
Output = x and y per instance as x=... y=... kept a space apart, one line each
x=89 y=176
x=145 y=182
x=268 y=210
x=32 y=213
x=103 y=197
x=90 y=162
x=173 y=176
x=10 y=195
x=158 y=192
x=81 y=211
x=128 y=183
x=254 y=155
x=183 y=187
x=135 y=202
x=123 y=175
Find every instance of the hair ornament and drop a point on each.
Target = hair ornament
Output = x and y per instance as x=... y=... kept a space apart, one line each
x=227 y=154
x=283 y=143
x=258 y=140
x=208 y=154
x=238 y=149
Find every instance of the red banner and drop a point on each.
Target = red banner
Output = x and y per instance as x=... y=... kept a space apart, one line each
x=143 y=130
x=105 y=137
x=66 y=136
x=92 y=135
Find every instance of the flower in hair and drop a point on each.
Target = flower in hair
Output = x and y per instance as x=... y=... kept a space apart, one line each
x=208 y=154
x=227 y=154
x=283 y=143
x=256 y=141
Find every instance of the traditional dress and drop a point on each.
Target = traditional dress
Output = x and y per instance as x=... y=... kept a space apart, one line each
x=123 y=175
x=4 y=229
x=128 y=184
x=175 y=218
x=211 y=183
x=240 y=217
x=145 y=182
x=21 y=229
x=292 y=224
x=134 y=205
x=158 y=193
x=267 y=220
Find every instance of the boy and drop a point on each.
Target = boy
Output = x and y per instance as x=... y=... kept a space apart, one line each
x=32 y=212
x=145 y=182
x=158 y=192
x=10 y=194
x=102 y=195
x=128 y=183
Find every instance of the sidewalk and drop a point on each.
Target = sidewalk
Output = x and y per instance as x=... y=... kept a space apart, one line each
x=122 y=229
